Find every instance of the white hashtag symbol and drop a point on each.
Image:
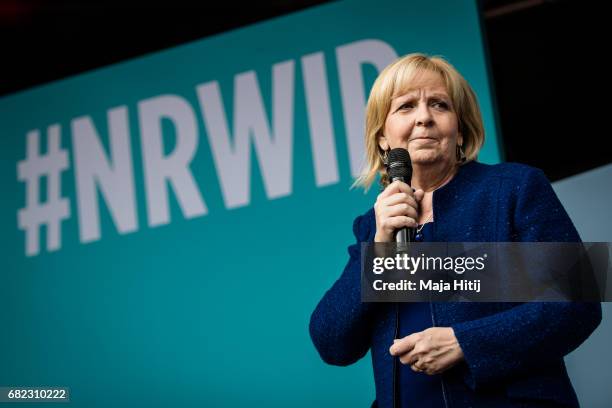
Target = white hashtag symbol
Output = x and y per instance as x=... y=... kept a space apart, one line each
x=55 y=209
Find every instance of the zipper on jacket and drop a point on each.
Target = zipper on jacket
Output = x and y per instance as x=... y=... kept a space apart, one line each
x=395 y=358
x=433 y=321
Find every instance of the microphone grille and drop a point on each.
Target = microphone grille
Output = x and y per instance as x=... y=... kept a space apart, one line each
x=399 y=164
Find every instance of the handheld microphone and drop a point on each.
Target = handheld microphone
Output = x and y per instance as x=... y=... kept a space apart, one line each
x=399 y=167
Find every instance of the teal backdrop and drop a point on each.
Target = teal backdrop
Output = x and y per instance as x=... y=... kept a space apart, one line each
x=197 y=207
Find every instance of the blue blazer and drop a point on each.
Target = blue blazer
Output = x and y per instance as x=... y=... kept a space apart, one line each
x=513 y=351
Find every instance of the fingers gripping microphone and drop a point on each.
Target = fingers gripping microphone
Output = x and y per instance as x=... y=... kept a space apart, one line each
x=399 y=168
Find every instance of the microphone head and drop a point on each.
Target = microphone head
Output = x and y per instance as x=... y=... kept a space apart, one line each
x=399 y=165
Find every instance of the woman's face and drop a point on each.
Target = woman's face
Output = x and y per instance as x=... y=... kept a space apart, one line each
x=424 y=122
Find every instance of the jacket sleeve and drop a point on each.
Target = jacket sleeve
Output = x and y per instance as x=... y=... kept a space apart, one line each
x=508 y=343
x=340 y=325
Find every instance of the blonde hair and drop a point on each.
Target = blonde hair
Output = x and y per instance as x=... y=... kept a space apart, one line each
x=397 y=79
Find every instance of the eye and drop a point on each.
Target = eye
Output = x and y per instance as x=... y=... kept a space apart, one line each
x=440 y=105
x=406 y=105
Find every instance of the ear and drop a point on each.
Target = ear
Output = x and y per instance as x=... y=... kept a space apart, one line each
x=382 y=142
x=459 y=139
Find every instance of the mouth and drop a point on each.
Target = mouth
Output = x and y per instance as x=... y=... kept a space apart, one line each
x=423 y=138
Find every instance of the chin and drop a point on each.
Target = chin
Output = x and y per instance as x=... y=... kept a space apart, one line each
x=424 y=157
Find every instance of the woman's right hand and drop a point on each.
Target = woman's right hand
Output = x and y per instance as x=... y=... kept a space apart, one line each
x=396 y=207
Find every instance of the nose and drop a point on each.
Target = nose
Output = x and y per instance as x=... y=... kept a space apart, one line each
x=423 y=115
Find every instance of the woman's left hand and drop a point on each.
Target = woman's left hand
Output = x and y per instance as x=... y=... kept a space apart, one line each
x=431 y=351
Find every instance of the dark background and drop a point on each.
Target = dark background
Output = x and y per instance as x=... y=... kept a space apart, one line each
x=545 y=60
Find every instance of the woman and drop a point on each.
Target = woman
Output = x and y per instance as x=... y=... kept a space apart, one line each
x=450 y=354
